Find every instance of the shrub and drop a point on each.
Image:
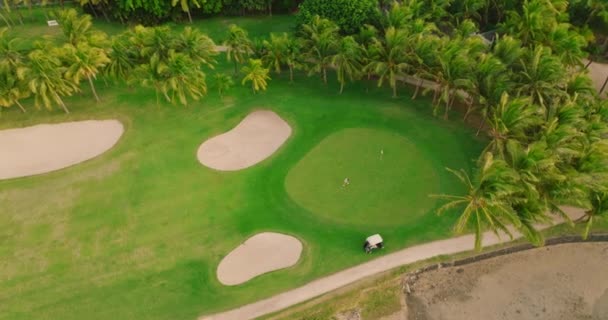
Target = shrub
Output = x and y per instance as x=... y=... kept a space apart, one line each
x=349 y=15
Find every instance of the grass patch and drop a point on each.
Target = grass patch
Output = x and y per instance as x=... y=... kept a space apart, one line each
x=391 y=178
x=133 y=233
x=381 y=302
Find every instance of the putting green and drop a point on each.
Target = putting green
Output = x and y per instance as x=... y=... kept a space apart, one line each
x=385 y=189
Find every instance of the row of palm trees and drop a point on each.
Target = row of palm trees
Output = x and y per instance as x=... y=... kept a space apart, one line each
x=546 y=125
x=171 y=63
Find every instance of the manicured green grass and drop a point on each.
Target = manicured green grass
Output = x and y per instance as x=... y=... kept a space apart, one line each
x=138 y=232
x=391 y=177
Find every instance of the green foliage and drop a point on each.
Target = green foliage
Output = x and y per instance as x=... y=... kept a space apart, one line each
x=256 y=74
x=349 y=15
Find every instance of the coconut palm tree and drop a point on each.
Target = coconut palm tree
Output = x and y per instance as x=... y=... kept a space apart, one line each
x=12 y=86
x=84 y=62
x=238 y=46
x=599 y=209
x=275 y=51
x=123 y=58
x=319 y=40
x=390 y=59
x=511 y=120
x=78 y=29
x=45 y=78
x=198 y=46
x=186 y=5
x=256 y=74
x=347 y=60
x=542 y=77
x=223 y=82
x=490 y=78
x=487 y=203
x=292 y=55
x=9 y=49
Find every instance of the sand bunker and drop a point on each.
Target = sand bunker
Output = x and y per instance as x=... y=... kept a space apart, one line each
x=260 y=254
x=49 y=147
x=254 y=139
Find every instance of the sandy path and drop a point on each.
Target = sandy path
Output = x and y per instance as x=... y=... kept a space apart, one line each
x=350 y=275
x=254 y=139
x=598 y=72
x=262 y=253
x=48 y=147
x=565 y=282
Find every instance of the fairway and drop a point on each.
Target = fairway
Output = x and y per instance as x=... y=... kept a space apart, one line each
x=390 y=179
x=139 y=231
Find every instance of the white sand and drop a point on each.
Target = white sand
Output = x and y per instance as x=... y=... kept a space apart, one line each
x=254 y=139
x=598 y=72
x=49 y=147
x=262 y=253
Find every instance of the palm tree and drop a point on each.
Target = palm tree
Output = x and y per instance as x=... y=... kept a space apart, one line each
x=198 y=46
x=275 y=51
x=45 y=78
x=490 y=79
x=238 y=45
x=347 y=60
x=510 y=120
x=488 y=199
x=223 y=82
x=319 y=39
x=85 y=62
x=390 y=60
x=9 y=49
x=542 y=77
x=599 y=209
x=185 y=5
x=123 y=58
x=12 y=86
x=256 y=74
x=78 y=29
x=292 y=55
x=175 y=78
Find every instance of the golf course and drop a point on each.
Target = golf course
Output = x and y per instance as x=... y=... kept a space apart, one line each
x=151 y=189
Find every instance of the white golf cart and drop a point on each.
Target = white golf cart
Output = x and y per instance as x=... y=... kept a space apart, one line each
x=373 y=242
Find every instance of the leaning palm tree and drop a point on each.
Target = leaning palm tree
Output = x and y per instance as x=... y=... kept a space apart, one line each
x=347 y=60
x=511 y=120
x=599 y=209
x=85 y=62
x=197 y=45
x=123 y=58
x=256 y=74
x=390 y=59
x=238 y=46
x=542 y=77
x=9 y=49
x=487 y=203
x=12 y=86
x=319 y=39
x=185 y=5
x=45 y=78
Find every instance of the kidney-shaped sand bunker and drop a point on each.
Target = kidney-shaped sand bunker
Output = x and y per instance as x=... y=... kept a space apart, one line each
x=254 y=139
x=262 y=253
x=48 y=147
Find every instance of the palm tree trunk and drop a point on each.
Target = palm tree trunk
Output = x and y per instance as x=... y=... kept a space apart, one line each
x=20 y=106
x=189 y=16
x=5 y=21
x=417 y=89
x=290 y=73
x=341 y=87
x=93 y=9
x=483 y=122
x=448 y=105
x=324 y=75
x=604 y=86
x=93 y=88
x=588 y=63
x=65 y=108
x=395 y=90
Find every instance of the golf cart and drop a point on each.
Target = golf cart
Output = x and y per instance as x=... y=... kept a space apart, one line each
x=373 y=242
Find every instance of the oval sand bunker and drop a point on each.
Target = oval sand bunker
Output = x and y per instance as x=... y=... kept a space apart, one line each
x=49 y=147
x=254 y=139
x=262 y=253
